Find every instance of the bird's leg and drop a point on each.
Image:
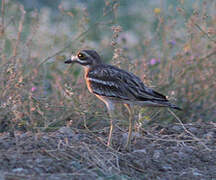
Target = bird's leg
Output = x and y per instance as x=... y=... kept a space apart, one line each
x=110 y=108
x=130 y=126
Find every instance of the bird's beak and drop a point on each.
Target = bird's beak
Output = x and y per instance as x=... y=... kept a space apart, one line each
x=68 y=61
x=73 y=59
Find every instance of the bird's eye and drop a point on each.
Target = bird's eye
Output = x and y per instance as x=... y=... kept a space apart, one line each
x=81 y=56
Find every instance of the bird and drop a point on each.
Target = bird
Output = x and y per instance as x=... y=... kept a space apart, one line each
x=113 y=85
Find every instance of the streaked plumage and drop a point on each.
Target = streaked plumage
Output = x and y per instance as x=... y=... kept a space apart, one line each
x=113 y=85
x=119 y=85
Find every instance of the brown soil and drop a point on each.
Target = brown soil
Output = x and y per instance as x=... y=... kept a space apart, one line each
x=161 y=153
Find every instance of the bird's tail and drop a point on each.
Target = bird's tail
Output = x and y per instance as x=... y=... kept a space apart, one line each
x=170 y=105
x=175 y=107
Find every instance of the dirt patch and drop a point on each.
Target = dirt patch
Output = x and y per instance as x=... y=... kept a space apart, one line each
x=160 y=153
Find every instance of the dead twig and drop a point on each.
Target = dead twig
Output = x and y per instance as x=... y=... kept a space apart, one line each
x=20 y=28
x=186 y=130
x=205 y=33
x=2 y=17
x=208 y=55
x=171 y=140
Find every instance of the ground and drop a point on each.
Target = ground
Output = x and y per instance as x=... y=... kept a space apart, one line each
x=162 y=152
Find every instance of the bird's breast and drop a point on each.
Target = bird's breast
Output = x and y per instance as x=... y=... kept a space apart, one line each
x=88 y=83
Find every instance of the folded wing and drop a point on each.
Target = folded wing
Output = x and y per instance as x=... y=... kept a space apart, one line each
x=117 y=83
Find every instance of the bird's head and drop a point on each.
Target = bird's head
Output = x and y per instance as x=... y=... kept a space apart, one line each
x=85 y=58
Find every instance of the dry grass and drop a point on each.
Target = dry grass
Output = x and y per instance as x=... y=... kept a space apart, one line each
x=163 y=152
x=175 y=54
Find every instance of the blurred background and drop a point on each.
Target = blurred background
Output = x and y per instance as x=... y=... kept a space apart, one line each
x=170 y=45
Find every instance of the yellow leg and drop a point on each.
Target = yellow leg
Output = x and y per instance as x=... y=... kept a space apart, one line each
x=130 y=126
x=110 y=107
x=109 y=143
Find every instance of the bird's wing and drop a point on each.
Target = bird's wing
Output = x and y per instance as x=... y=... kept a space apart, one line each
x=111 y=81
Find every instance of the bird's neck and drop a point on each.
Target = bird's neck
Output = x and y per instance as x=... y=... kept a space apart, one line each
x=87 y=69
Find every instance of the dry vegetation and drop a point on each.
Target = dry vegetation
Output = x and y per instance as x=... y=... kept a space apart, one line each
x=48 y=117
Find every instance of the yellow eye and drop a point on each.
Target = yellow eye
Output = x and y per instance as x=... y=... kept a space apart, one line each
x=81 y=56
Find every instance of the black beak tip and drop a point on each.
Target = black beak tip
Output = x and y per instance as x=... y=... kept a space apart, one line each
x=68 y=61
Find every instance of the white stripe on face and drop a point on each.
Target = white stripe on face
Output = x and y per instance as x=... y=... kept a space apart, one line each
x=75 y=58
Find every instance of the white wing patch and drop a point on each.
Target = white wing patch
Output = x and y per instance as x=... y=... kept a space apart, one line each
x=99 y=81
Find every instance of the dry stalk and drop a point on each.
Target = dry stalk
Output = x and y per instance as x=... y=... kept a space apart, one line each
x=205 y=33
x=2 y=17
x=187 y=131
x=98 y=158
x=20 y=28
x=170 y=140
